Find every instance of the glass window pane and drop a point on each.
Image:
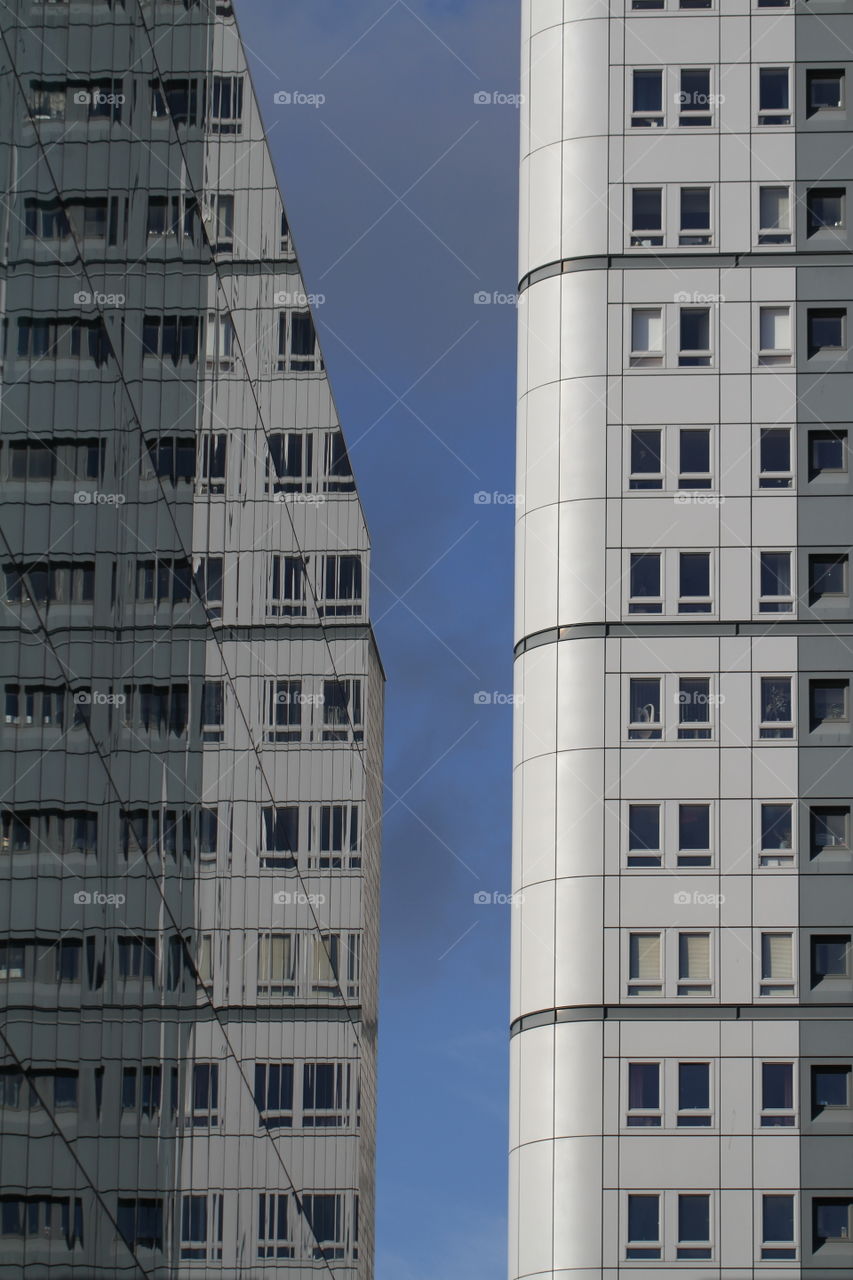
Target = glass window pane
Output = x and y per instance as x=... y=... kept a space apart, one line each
x=773 y=88
x=776 y=826
x=694 y=1083
x=646 y=208
x=777 y=1086
x=694 y=450
x=694 y=826
x=644 y=1086
x=648 y=91
x=774 y=205
x=643 y=1218
x=777 y=1218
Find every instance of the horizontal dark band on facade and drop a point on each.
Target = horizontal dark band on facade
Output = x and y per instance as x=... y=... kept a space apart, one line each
x=683 y=1013
x=669 y=630
x=676 y=261
x=37 y=1015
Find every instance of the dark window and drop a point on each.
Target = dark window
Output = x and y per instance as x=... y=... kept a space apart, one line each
x=824 y=91
x=775 y=582
x=830 y=1087
x=646 y=469
x=827 y=452
x=695 y=97
x=694 y=458
x=777 y=1094
x=281 y=832
x=776 y=707
x=694 y=336
x=830 y=828
x=140 y=1223
x=644 y=709
x=643 y=1227
x=646 y=216
x=644 y=1095
x=830 y=957
x=694 y=707
x=828 y=702
x=694 y=835
x=774 y=452
x=824 y=208
x=647 y=110
x=777 y=1228
x=694 y=582
x=645 y=584
x=205 y=1095
x=774 y=106
x=695 y=216
x=274 y=1094
x=827 y=577
x=826 y=329
x=831 y=1220
x=694 y=1226
x=776 y=831
x=336 y=464
x=694 y=1096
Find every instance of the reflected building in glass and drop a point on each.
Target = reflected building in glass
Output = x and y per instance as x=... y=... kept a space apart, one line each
x=192 y=731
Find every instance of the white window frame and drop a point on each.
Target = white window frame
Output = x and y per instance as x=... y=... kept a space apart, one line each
x=773 y=357
x=651 y=238
x=773 y=117
x=789 y=598
x=782 y=1113
x=760 y=1243
x=790 y=475
x=771 y=987
x=646 y=357
x=775 y=859
x=773 y=238
x=657 y=119
x=773 y=725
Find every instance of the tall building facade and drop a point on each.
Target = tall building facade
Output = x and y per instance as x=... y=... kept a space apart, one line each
x=682 y=1044
x=192 y=732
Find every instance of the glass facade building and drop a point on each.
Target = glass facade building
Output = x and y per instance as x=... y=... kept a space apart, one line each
x=192 y=734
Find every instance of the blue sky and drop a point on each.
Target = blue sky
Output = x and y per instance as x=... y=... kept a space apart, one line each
x=401 y=192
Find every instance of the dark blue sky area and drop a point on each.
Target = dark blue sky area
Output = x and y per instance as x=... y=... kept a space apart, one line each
x=401 y=192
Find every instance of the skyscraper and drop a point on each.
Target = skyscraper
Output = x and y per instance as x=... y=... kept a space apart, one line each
x=192 y=738
x=682 y=1045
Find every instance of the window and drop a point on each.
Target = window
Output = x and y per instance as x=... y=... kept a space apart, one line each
x=291 y=455
x=274 y=1094
x=826 y=328
x=174 y=338
x=226 y=104
x=646 y=337
x=694 y=458
x=644 y=964
x=204 y=1113
x=775 y=590
x=326 y=966
x=694 y=964
x=208 y=577
x=288 y=587
x=694 y=100
x=774 y=215
x=646 y=460
x=827 y=453
x=277 y=964
x=337 y=472
x=47 y=101
x=325 y=1219
x=201 y=1227
x=694 y=707
x=284 y=245
x=694 y=1226
x=694 y=343
x=831 y=1220
x=777 y=964
x=342 y=711
x=298 y=351
x=644 y=709
x=279 y=835
x=830 y=828
x=827 y=577
x=777 y=835
x=644 y=1233
x=213 y=711
x=694 y=582
x=777 y=715
x=221 y=342
x=777 y=1095
x=695 y=227
x=647 y=100
x=204 y=968
x=694 y=835
x=211 y=469
x=140 y=1223
x=137 y=959
x=220 y=221
x=162 y=709
x=778 y=1241
x=326 y=1090
x=774 y=335
x=151 y=1088
x=824 y=91
x=274 y=1238
x=645 y=594
x=644 y=835
x=55 y=582
x=694 y=1096
x=774 y=458
x=63 y=339
x=824 y=208
x=646 y=217
x=644 y=1102
x=342 y=583
x=830 y=957
x=828 y=702
x=177 y=99
x=335 y=842
x=172 y=458
x=42 y=1217
x=830 y=1088
x=56 y=459
x=284 y=700
x=163 y=580
x=774 y=95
